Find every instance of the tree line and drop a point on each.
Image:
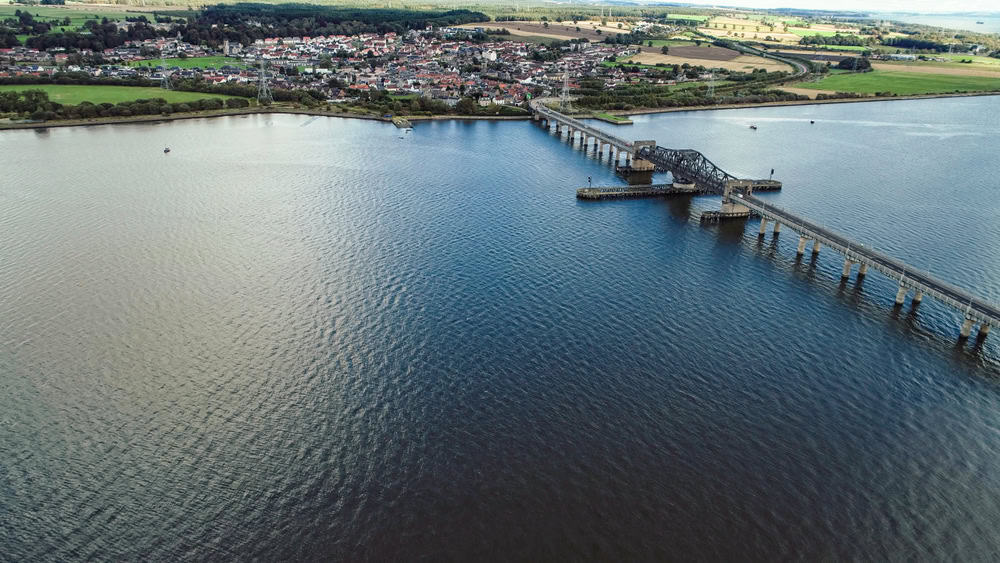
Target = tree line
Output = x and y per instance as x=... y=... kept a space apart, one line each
x=243 y=23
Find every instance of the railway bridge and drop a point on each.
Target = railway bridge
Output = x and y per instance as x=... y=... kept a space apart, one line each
x=694 y=173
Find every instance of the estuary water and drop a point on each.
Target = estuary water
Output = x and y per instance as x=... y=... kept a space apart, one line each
x=297 y=338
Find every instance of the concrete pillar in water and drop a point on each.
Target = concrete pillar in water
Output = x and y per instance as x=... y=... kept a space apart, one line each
x=966 y=329
x=984 y=329
x=802 y=245
x=763 y=226
x=918 y=296
x=777 y=227
x=901 y=295
x=862 y=270
x=847 y=268
x=816 y=246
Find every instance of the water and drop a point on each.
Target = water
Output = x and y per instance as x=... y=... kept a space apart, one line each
x=311 y=339
x=991 y=24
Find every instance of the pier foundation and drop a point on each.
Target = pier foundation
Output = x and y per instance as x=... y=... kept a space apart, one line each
x=848 y=264
x=777 y=227
x=816 y=246
x=901 y=295
x=763 y=227
x=918 y=296
x=984 y=329
x=862 y=270
x=802 y=246
x=966 y=329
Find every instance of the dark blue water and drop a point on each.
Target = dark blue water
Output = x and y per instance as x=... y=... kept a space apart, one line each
x=311 y=339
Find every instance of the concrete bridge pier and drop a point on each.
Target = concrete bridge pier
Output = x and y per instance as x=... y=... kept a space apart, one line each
x=802 y=246
x=848 y=264
x=763 y=227
x=862 y=270
x=777 y=227
x=918 y=296
x=901 y=295
x=816 y=246
x=966 y=329
x=984 y=329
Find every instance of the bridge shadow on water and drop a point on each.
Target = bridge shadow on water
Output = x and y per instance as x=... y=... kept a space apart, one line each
x=905 y=320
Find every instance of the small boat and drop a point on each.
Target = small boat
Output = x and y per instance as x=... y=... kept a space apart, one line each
x=980 y=23
x=811 y=122
x=754 y=127
x=166 y=150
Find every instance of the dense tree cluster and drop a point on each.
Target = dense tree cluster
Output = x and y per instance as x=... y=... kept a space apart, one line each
x=97 y=35
x=751 y=88
x=243 y=23
x=912 y=43
x=860 y=64
x=847 y=39
x=246 y=22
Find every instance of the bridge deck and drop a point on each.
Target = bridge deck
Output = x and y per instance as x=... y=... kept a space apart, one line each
x=581 y=126
x=908 y=276
x=709 y=178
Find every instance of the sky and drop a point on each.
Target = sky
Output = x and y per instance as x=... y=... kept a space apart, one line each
x=923 y=6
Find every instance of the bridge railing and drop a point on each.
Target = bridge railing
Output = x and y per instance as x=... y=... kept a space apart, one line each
x=853 y=250
x=577 y=124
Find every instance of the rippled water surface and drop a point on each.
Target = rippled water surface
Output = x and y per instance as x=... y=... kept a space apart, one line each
x=298 y=338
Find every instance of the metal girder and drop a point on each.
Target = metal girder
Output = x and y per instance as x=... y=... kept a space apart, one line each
x=690 y=164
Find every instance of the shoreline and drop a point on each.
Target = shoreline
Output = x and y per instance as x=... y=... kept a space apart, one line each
x=800 y=103
x=243 y=111
x=422 y=118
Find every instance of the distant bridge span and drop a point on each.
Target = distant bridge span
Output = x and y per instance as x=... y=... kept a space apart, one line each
x=738 y=201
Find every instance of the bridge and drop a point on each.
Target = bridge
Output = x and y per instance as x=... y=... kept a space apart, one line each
x=694 y=173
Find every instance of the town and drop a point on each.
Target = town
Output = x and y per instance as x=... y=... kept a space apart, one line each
x=441 y=64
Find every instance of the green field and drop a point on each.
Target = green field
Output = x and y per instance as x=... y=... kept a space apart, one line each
x=192 y=62
x=687 y=17
x=802 y=32
x=113 y=94
x=902 y=83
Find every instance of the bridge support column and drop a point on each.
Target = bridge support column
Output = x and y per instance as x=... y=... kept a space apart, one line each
x=763 y=227
x=966 y=329
x=777 y=227
x=984 y=329
x=848 y=264
x=862 y=270
x=802 y=246
x=816 y=246
x=901 y=295
x=918 y=296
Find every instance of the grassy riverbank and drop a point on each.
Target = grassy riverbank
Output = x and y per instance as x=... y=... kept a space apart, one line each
x=351 y=115
x=67 y=94
x=903 y=83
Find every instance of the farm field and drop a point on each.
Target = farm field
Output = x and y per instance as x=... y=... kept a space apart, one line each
x=902 y=83
x=952 y=69
x=688 y=17
x=741 y=63
x=192 y=62
x=65 y=94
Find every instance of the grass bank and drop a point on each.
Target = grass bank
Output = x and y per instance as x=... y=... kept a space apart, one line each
x=73 y=95
x=903 y=83
x=192 y=62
